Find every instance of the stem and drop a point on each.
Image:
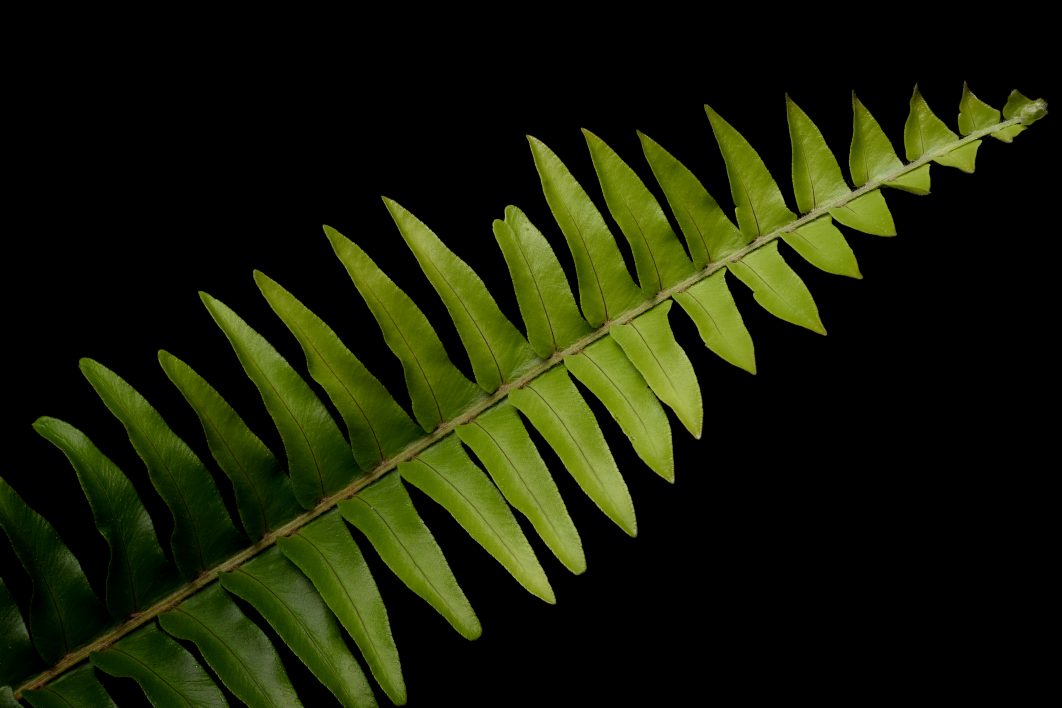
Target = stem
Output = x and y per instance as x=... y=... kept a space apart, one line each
x=328 y=503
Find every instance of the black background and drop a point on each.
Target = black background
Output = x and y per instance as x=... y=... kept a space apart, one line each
x=864 y=517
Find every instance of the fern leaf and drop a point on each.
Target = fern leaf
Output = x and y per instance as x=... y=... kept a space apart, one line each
x=77 y=688
x=17 y=658
x=711 y=307
x=163 y=669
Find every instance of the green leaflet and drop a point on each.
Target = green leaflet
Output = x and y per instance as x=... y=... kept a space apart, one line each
x=817 y=182
x=79 y=688
x=319 y=459
x=165 y=671
x=777 y=287
x=377 y=425
x=650 y=344
x=658 y=255
x=17 y=658
x=711 y=307
x=203 y=534
x=609 y=374
x=710 y=235
x=263 y=491
x=138 y=571
x=328 y=556
x=822 y=245
x=446 y=474
x=606 y=289
x=873 y=158
x=64 y=612
x=497 y=351
x=384 y=512
x=1026 y=110
x=557 y=410
x=975 y=114
x=287 y=600
x=438 y=390
x=760 y=206
x=924 y=133
x=546 y=302
x=234 y=647
x=501 y=442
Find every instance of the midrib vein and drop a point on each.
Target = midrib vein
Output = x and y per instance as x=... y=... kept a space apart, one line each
x=474 y=410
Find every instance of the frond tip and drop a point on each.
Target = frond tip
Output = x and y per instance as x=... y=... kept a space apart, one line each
x=288 y=555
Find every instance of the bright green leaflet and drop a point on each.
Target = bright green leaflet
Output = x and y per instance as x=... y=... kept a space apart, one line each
x=376 y=424
x=328 y=556
x=203 y=533
x=760 y=206
x=64 y=612
x=446 y=474
x=385 y=514
x=777 y=287
x=817 y=181
x=710 y=235
x=658 y=255
x=557 y=410
x=496 y=349
x=925 y=133
x=165 y=671
x=975 y=114
x=79 y=688
x=650 y=344
x=1026 y=110
x=263 y=491
x=234 y=647
x=609 y=374
x=872 y=156
x=500 y=441
x=711 y=307
x=17 y=658
x=606 y=289
x=439 y=391
x=138 y=572
x=546 y=302
x=319 y=459
x=821 y=244
x=287 y=600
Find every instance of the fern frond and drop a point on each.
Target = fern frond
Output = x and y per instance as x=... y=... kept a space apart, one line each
x=291 y=558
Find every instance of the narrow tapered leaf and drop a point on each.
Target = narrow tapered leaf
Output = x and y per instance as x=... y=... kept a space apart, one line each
x=17 y=658
x=649 y=343
x=606 y=289
x=166 y=672
x=542 y=291
x=264 y=497
x=319 y=460
x=658 y=255
x=78 y=689
x=777 y=287
x=203 y=533
x=233 y=646
x=329 y=557
x=496 y=349
x=64 y=612
x=289 y=603
x=710 y=235
x=924 y=133
x=446 y=474
x=817 y=178
x=873 y=158
x=557 y=410
x=376 y=424
x=609 y=374
x=501 y=442
x=438 y=390
x=711 y=307
x=822 y=245
x=384 y=512
x=975 y=114
x=760 y=206
x=138 y=572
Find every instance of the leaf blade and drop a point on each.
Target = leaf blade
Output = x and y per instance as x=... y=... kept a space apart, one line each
x=817 y=178
x=777 y=288
x=872 y=156
x=17 y=658
x=711 y=307
x=79 y=687
x=822 y=245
